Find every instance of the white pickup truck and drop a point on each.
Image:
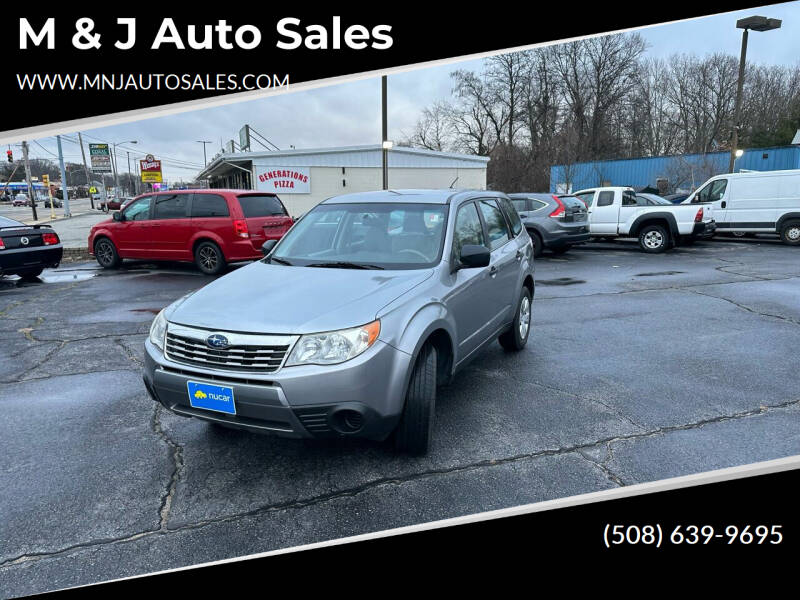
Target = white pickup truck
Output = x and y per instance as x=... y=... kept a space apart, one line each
x=619 y=212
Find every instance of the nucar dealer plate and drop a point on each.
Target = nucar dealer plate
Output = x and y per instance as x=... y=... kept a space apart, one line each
x=211 y=397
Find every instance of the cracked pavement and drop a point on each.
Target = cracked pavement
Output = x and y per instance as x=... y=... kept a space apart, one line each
x=639 y=367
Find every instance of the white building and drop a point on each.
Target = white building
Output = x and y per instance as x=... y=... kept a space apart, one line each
x=303 y=178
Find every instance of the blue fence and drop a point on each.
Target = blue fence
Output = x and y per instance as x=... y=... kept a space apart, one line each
x=684 y=171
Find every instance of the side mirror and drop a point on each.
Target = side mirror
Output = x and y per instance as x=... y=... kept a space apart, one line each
x=267 y=246
x=117 y=216
x=473 y=256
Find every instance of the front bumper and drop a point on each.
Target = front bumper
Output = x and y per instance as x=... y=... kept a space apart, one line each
x=363 y=397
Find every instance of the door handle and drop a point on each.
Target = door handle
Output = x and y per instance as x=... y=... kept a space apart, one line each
x=519 y=255
x=493 y=272
x=724 y=204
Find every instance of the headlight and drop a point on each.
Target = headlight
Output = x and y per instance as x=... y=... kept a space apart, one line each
x=158 y=330
x=333 y=347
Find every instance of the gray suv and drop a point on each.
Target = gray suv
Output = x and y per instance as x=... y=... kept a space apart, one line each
x=350 y=322
x=553 y=222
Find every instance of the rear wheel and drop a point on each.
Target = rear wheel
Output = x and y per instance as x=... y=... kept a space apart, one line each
x=538 y=244
x=415 y=431
x=515 y=338
x=790 y=233
x=654 y=239
x=208 y=258
x=106 y=254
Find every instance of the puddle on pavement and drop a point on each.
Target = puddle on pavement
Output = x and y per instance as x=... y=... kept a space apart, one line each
x=658 y=273
x=559 y=281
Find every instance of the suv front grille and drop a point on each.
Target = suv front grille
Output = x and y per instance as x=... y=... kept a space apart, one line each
x=252 y=353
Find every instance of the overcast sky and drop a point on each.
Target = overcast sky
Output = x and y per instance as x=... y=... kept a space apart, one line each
x=349 y=114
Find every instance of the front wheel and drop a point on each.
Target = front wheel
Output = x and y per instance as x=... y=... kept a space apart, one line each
x=654 y=239
x=515 y=338
x=208 y=258
x=538 y=244
x=415 y=431
x=790 y=233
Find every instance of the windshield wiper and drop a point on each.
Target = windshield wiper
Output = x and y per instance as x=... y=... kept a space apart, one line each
x=344 y=265
x=280 y=261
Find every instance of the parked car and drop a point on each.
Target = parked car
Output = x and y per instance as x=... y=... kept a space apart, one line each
x=755 y=202
x=208 y=227
x=56 y=203
x=554 y=222
x=615 y=212
x=707 y=232
x=371 y=300
x=26 y=250
x=114 y=204
x=676 y=198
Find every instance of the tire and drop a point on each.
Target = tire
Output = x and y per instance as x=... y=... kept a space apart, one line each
x=538 y=244
x=32 y=274
x=415 y=430
x=515 y=338
x=106 y=254
x=559 y=250
x=209 y=258
x=654 y=239
x=790 y=233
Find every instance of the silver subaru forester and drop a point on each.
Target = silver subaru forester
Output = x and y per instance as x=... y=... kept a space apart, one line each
x=350 y=322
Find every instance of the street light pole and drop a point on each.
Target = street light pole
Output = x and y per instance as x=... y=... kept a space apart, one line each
x=384 y=139
x=756 y=24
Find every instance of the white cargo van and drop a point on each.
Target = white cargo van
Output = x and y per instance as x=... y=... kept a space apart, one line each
x=754 y=202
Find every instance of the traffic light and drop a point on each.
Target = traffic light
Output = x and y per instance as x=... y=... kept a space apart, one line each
x=10 y=155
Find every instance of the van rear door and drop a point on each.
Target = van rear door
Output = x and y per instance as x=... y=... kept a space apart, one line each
x=266 y=217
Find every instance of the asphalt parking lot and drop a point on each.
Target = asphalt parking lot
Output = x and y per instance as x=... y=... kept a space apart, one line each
x=639 y=367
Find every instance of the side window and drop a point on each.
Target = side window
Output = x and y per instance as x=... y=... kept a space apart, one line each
x=468 y=229
x=631 y=200
x=717 y=190
x=209 y=205
x=171 y=206
x=496 y=227
x=606 y=199
x=537 y=204
x=138 y=210
x=513 y=216
x=520 y=204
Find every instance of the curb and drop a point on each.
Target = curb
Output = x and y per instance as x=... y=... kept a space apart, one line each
x=75 y=255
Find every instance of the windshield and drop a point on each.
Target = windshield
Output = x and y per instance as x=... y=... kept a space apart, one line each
x=371 y=235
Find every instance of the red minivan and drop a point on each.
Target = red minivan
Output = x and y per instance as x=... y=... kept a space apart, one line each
x=208 y=227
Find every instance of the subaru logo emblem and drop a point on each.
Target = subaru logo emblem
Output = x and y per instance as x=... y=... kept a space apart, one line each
x=24 y=241
x=217 y=341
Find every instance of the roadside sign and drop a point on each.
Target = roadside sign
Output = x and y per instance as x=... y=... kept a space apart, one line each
x=100 y=155
x=150 y=169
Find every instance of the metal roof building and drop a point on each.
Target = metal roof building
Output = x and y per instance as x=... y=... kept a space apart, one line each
x=669 y=173
x=303 y=178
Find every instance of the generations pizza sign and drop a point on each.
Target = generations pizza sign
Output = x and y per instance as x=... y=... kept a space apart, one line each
x=150 y=169
x=283 y=180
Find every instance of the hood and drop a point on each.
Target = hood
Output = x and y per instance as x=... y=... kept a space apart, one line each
x=265 y=298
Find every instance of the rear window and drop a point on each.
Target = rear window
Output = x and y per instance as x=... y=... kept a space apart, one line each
x=261 y=206
x=209 y=205
x=572 y=202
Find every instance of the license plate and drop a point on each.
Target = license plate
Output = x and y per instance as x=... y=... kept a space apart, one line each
x=208 y=396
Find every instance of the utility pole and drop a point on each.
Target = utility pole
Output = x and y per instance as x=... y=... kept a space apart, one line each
x=86 y=170
x=128 y=179
x=204 y=142
x=63 y=177
x=28 y=178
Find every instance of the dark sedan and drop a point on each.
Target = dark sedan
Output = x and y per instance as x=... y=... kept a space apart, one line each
x=554 y=222
x=26 y=250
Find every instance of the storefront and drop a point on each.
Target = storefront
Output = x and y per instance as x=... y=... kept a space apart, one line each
x=303 y=178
